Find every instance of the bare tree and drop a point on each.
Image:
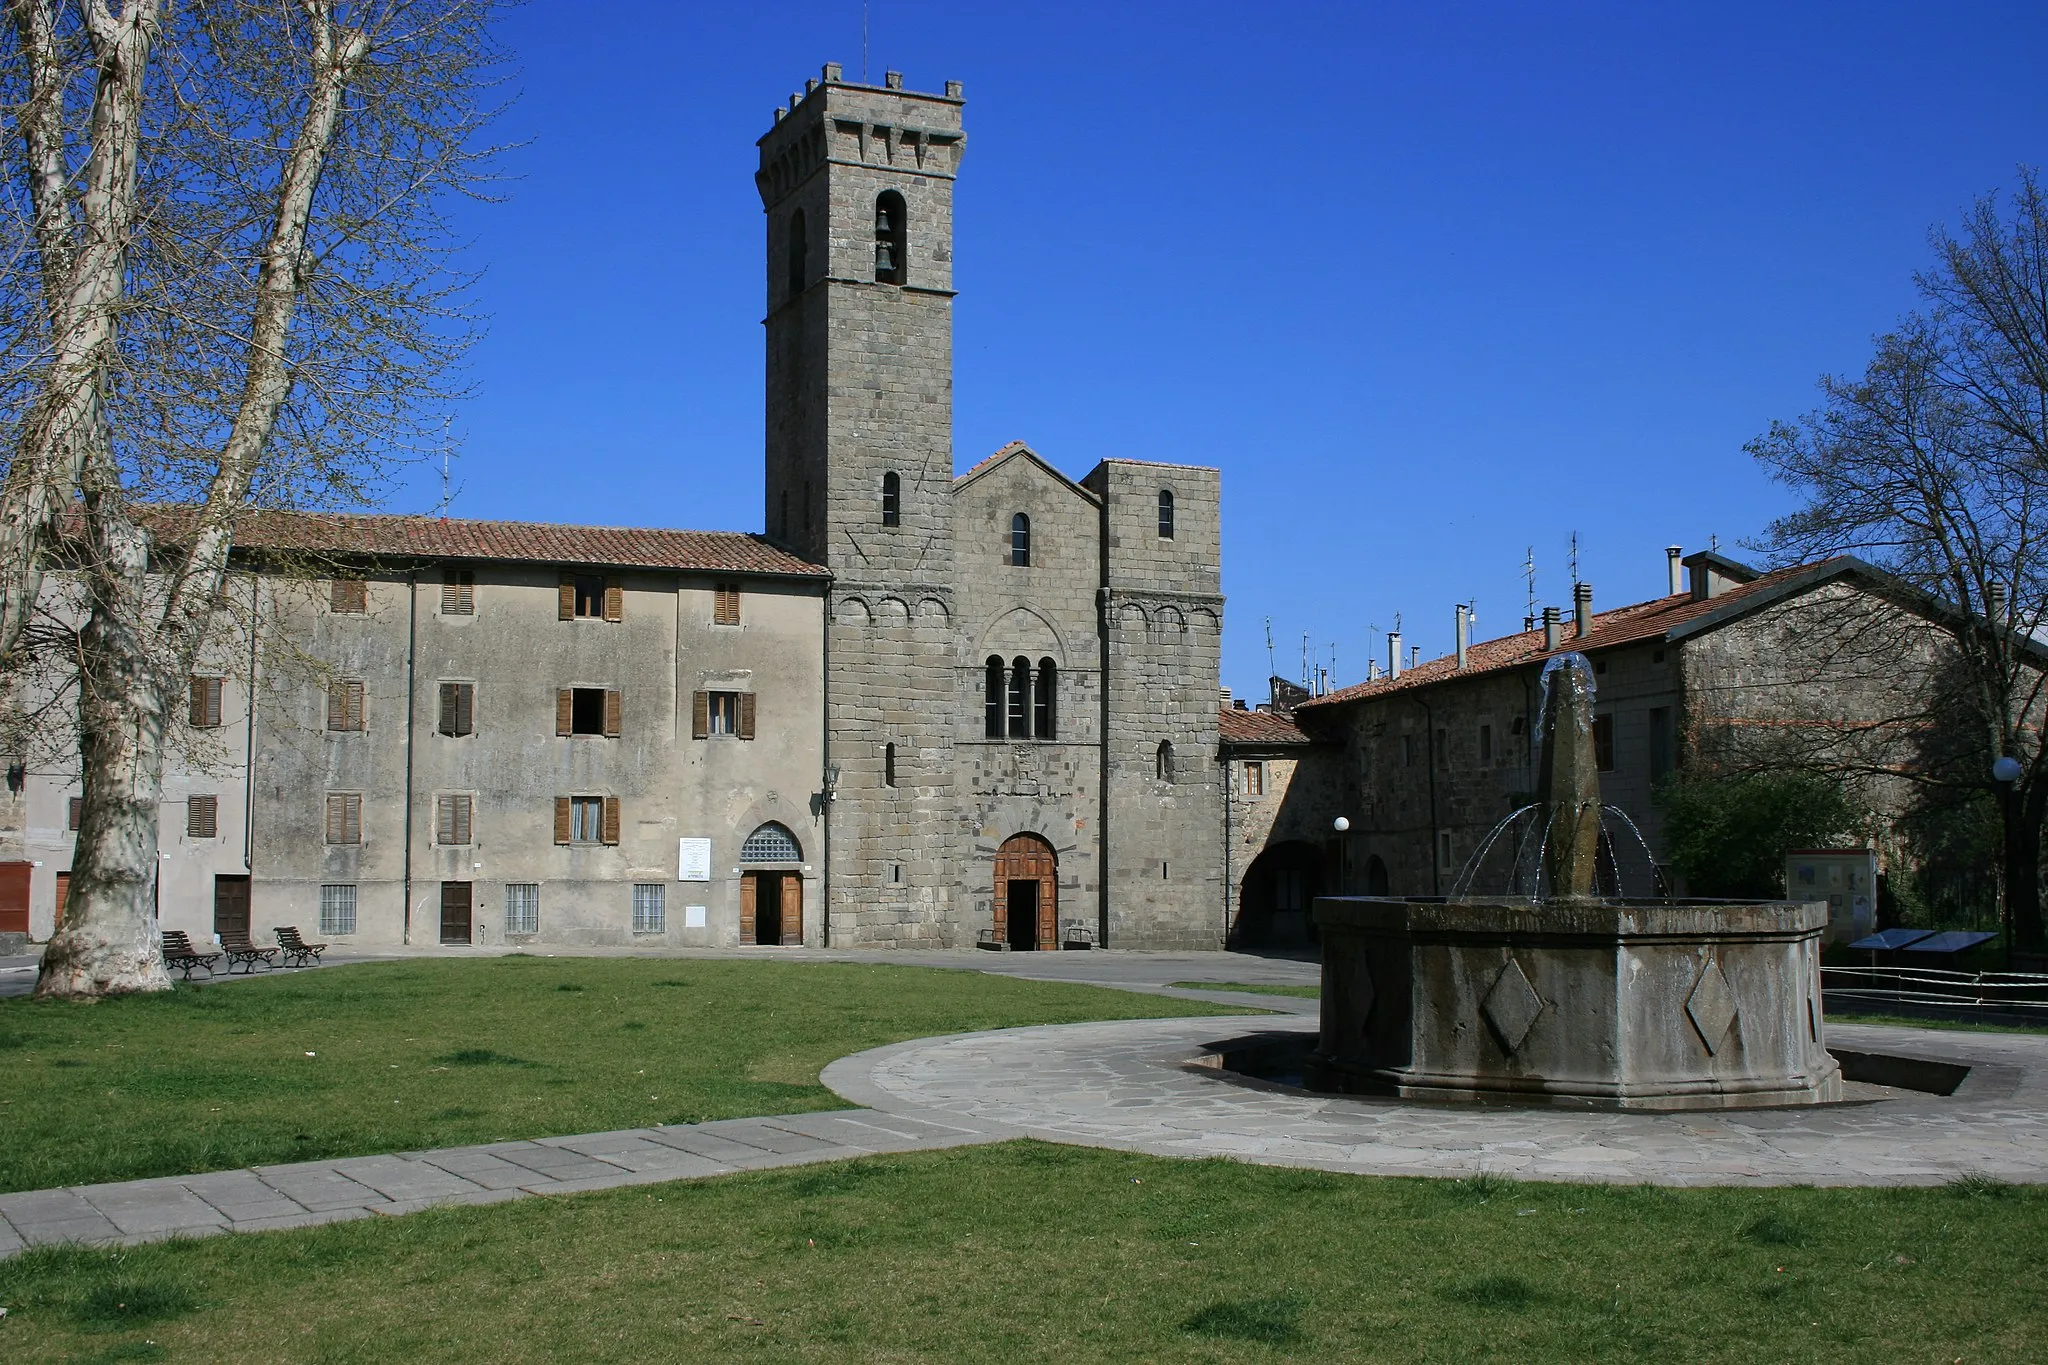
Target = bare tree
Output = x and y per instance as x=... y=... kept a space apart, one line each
x=226 y=286
x=1934 y=463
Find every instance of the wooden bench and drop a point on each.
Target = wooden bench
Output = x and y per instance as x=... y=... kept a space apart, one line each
x=241 y=952
x=296 y=951
x=180 y=955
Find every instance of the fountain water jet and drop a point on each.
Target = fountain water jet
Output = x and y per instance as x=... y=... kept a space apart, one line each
x=1563 y=996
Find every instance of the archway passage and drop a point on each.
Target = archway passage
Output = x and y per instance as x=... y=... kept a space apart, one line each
x=1027 y=905
x=1277 y=900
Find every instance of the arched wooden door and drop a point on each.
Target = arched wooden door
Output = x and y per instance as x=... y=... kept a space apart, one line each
x=1027 y=877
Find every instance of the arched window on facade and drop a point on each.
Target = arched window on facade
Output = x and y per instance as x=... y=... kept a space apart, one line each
x=891 y=237
x=892 y=499
x=889 y=765
x=771 y=843
x=1045 y=700
x=1162 y=761
x=996 y=684
x=799 y=253
x=1020 y=541
x=1020 y=698
x=1166 y=514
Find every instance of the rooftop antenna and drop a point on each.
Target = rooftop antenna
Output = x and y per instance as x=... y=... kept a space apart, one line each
x=1714 y=543
x=1304 y=659
x=863 y=42
x=1333 y=659
x=1272 y=668
x=1575 y=559
x=1529 y=576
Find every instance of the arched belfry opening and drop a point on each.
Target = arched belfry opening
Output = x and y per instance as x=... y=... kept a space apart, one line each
x=892 y=237
x=1027 y=905
x=772 y=887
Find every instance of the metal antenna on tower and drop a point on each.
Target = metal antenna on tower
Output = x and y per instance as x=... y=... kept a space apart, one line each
x=1304 y=659
x=863 y=42
x=1575 y=559
x=1333 y=659
x=1529 y=575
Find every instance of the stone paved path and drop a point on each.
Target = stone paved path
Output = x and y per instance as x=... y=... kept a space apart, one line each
x=1126 y=1085
x=310 y=1192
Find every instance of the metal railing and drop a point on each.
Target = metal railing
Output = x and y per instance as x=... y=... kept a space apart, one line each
x=2007 y=992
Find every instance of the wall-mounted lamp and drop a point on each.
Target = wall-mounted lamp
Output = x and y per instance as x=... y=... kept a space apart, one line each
x=831 y=781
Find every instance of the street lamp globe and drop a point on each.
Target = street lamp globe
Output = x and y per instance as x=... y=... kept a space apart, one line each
x=1340 y=824
x=2006 y=768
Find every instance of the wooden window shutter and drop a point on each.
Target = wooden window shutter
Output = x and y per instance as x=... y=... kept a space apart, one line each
x=614 y=712
x=354 y=692
x=454 y=820
x=333 y=819
x=614 y=600
x=349 y=595
x=196 y=711
x=448 y=725
x=561 y=819
x=565 y=710
x=725 y=604
x=337 y=706
x=465 y=708
x=344 y=818
x=566 y=606
x=458 y=592
x=746 y=715
x=611 y=819
x=76 y=812
x=700 y=715
x=202 y=817
x=205 y=705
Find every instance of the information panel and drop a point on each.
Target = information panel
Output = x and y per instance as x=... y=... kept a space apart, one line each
x=693 y=860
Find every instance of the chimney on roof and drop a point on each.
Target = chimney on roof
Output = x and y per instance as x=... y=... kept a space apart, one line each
x=1551 y=629
x=1713 y=573
x=1464 y=636
x=1673 y=569
x=1995 y=593
x=1582 y=608
x=1393 y=653
x=1226 y=698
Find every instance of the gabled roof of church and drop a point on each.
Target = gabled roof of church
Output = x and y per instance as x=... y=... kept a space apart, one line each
x=1018 y=450
x=391 y=536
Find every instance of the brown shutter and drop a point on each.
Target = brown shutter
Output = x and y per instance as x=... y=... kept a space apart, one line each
x=611 y=819
x=465 y=708
x=355 y=706
x=352 y=810
x=566 y=606
x=349 y=595
x=614 y=600
x=614 y=712
x=561 y=819
x=448 y=693
x=202 y=817
x=455 y=820
x=197 y=711
x=333 y=810
x=747 y=908
x=746 y=715
x=700 y=715
x=337 y=706
x=76 y=811
x=565 y=710
x=444 y=820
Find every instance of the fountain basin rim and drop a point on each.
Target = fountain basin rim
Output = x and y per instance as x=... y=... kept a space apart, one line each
x=1610 y=918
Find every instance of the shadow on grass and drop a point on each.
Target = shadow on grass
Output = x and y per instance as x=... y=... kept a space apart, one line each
x=1508 y=1293
x=481 y=1056
x=1272 y=1322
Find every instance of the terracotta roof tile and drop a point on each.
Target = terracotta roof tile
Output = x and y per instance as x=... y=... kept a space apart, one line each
x=1258 y=727
x=519 y=541
x=1628 y=625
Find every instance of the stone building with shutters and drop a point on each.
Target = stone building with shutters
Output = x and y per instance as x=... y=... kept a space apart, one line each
x=920 y=710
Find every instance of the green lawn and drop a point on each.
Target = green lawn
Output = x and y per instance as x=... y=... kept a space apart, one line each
x=1251 y=987
x=394 y=1056
x=1031 y=1252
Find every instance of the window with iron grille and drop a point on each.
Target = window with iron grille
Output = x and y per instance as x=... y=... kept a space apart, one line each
x=344 y=817
x=202 y=817
x=338 y=909
x=458 y=592
x=771 y=843
x=452 y=813
x=650 y=909
x=204 y=712
x=522 y=908
x=349 y=595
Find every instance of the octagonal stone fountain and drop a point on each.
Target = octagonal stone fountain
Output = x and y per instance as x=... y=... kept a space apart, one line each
x=1561 y=996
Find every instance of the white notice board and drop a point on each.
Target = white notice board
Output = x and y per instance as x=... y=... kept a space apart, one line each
x=693 y=860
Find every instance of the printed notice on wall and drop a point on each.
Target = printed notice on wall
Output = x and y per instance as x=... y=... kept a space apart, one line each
x=693 y=917
x=693 y=860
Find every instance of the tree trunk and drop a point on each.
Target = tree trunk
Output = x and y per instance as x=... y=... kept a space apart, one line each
x=109 y=943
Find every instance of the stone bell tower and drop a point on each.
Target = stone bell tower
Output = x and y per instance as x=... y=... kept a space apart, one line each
x=857 y=184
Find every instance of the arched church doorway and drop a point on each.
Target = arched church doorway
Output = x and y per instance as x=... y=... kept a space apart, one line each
x=1027 y=906
x=772 y=887
x=1278 y=895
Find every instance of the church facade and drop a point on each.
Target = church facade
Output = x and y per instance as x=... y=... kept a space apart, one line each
x=918 y=710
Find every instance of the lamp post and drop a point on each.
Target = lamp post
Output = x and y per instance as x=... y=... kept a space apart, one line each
x=2005 y=771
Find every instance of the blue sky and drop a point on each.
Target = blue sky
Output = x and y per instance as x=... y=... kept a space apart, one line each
x=1431 y=284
